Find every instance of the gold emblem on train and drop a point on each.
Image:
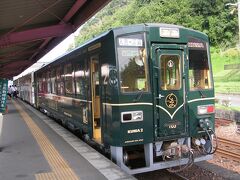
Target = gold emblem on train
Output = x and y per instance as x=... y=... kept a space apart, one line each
x=171 y=101
x=170 y=63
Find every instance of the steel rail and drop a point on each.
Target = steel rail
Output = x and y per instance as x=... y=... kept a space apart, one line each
x=228 y=153
x=230 y=142
x=234 y=156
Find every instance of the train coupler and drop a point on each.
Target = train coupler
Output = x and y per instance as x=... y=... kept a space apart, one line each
x=175 y=151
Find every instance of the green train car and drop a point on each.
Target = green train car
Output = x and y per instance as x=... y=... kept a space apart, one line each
x=142 y=93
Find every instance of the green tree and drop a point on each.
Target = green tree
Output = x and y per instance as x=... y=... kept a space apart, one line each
x=209 y=16
x=217 y=22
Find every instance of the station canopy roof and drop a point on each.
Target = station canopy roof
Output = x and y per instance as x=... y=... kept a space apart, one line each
x=31 y=28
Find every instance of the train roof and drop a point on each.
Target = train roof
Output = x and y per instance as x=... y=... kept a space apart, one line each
x=136 y=27
x=144 y=25
x=79 y=47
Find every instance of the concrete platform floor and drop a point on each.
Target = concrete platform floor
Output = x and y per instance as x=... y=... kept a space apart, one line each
x=32 y=146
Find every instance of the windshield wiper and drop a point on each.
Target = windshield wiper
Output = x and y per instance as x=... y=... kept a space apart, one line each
x=138 y=97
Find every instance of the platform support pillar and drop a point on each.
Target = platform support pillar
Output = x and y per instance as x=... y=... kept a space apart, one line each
x=1 y=122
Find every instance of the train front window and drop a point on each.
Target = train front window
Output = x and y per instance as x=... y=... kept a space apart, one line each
x=132 y=61
x=199 y=69
x=170 y=72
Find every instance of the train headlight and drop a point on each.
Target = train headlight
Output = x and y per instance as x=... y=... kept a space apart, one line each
x=137 y=116
x=131 y=116
x=205 y=109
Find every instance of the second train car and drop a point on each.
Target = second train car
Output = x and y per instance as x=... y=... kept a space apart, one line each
x=142 y=93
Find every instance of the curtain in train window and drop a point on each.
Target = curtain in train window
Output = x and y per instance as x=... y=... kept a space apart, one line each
x=80 y=79
x=49 y=89
x=60 y=83
x=170 y=72
x=53 y=81
x=40 y=84
x=68 y=74
x=44 y=83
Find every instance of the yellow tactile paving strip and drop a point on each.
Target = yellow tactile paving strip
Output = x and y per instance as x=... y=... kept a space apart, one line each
x=60 y=168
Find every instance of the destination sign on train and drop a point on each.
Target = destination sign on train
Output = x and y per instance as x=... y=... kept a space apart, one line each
x=169 y=32
x=196 y=45
x=130 y=53
x=130 y=42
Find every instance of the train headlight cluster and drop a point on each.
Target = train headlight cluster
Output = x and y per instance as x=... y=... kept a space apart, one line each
x=206 y=109
x=132 y=116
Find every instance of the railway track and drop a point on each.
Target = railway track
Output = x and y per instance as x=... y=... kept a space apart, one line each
x=229 y=149
x=222 y=122
x=160 y=174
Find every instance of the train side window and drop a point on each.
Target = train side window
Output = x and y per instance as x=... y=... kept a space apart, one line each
x=40 y=84
x=68 y=77
x=49 y=82
x=44 y=84
x=60 y=83
x=53 y=81
x=80 y=79
x=58 y=74
x=199 y=69
x=132 y=61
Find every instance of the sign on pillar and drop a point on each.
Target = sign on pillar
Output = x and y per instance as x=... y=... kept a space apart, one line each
x=3 y=94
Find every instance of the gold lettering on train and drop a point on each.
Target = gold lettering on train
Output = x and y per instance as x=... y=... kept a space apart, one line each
x=95 y=46
x=131 y=131
x=132 y=141
x=174 y=126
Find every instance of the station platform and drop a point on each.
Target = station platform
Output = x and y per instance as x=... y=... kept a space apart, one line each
x=33 y=146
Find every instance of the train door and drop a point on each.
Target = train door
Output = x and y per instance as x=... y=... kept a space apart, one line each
x=95 y=90
x=170 y=92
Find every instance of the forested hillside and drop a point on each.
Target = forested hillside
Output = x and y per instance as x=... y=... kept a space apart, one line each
x=212 y=17
x=209 y=16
